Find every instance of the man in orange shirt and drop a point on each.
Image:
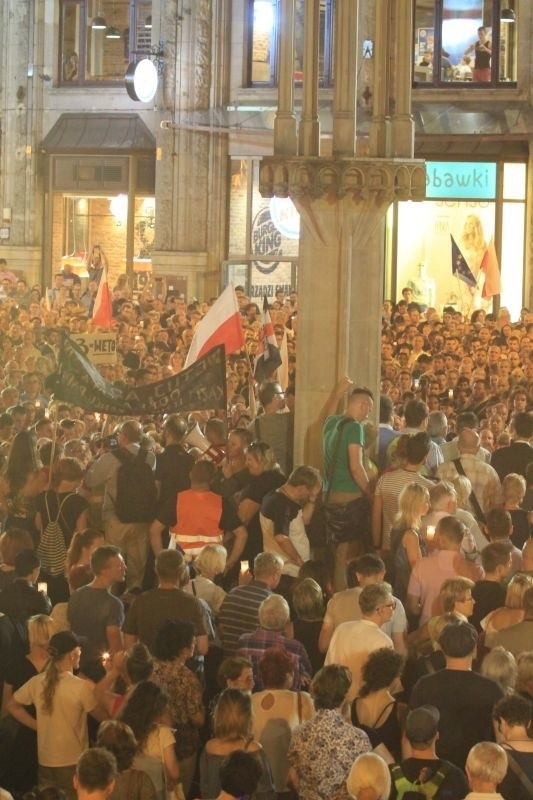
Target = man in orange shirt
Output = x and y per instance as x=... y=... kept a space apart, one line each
x=197 y=517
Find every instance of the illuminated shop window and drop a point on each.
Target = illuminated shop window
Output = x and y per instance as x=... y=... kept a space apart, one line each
x=470 y=245
x=99 y=38
x=458 y=42
x=263 y=41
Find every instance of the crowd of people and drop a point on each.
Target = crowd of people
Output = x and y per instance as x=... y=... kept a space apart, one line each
x=185 y=613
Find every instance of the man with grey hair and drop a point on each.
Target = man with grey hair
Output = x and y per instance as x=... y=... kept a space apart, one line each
x=352 y=642
x=486 y=767
x=437 y=427
x=239 y=610
x=485 y=482
x=274 y=616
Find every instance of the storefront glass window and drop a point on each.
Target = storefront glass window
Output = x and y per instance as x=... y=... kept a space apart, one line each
x=264 y=234
x=465 y=41
x=470 y=242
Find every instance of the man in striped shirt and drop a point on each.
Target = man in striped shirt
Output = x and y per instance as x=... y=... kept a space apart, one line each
x=239 y=611
x=391 y=483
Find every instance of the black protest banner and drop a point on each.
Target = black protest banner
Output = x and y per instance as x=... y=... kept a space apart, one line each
x=202 y=386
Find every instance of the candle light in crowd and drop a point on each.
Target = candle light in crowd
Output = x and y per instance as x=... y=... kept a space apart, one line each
x=42 y=586
x=430 y=532
x=450 y=394
x=245 y=566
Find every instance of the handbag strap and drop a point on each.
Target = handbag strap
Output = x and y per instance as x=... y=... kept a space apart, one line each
x=335 y=454
x=520 y=774
x=473 y=499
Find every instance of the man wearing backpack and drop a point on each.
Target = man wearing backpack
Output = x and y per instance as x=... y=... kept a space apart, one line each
x=425 y=776
x=127 y=473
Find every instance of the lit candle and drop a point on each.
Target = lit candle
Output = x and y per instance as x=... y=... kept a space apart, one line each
x=450 y=394
x=245 y=566
x=430 y=533
x=106 y=657
x=42 y=586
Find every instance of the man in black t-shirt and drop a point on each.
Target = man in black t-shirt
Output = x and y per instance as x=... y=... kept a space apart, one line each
x=463 y=698
x=421 y=730
x=489 y=593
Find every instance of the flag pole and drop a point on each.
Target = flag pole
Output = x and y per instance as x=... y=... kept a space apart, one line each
x=252 y=404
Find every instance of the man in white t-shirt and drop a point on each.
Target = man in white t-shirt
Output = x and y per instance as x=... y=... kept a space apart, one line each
x=353 y=642
x=344 y=606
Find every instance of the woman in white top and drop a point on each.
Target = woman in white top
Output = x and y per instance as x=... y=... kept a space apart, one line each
x=277 y=711
x=147 y=712
x=62 y=702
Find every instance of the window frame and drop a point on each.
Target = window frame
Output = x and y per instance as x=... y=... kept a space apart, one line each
x=437 y=82
x=325 y=79
x=81 y=80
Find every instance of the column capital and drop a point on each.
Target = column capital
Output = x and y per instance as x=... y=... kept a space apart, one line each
x=363 y=179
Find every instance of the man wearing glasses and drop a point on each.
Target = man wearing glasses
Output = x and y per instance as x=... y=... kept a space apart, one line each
x=352 y=642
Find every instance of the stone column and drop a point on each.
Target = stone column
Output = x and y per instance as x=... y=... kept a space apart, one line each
x=379 y=143
x=309 y=144
x=403 y=126
x=191 y=175
x=285 y=136
x=345 y=70
x=342 y=204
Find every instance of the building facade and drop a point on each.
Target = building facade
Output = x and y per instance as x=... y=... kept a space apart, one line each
x=170 y=188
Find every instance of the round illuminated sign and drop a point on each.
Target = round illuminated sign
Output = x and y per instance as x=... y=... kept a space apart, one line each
x=141 y=80
x=285 y=217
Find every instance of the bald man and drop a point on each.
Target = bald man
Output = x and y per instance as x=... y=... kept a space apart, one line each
x=484 y=479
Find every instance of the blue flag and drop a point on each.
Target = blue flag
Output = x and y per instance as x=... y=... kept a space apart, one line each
x=460 y=267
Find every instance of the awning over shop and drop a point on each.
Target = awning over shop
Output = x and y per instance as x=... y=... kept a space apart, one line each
x=113 y=134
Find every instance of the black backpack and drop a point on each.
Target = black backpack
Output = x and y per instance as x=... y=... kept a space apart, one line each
x=136 y=499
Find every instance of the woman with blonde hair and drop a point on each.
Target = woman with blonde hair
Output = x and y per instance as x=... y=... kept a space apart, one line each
x=513 y=610
x=233 y=731
x=500 y=665
x=210 y=562
x=19 y=670
x=514 y=490
x=524 y=678
x=407 y=547
x=308 y=602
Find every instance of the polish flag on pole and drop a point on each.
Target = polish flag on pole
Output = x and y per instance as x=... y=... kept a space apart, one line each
x=103 y=310
x=221 y=325
x=489 y=265
x=268 y=357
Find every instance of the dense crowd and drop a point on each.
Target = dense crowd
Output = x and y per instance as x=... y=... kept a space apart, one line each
x=185 y=613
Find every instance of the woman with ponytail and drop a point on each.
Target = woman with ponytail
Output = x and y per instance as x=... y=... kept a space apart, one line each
x=62 y=702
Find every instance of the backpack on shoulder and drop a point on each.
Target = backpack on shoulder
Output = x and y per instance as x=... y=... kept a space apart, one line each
x=52 y=549
x=419 y=789
x=136 y=499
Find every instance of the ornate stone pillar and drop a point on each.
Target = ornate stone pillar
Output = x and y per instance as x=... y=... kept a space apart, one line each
x=342 y=203
x=345 y=70
x=403 y=126
x=379 y=137
x=285 y=136
x=309 y=144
